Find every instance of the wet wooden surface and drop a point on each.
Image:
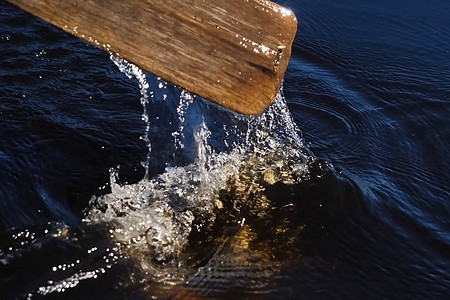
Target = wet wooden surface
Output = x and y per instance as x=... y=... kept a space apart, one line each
x=233 y=53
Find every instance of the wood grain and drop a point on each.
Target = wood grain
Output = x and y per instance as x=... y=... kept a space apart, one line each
x=233 y=53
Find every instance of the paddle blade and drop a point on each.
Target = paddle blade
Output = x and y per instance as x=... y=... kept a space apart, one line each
x=233 y=53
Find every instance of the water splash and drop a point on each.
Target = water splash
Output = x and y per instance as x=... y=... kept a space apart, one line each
x=153 y=220
x=178 y=225
x=185 y=100
x=132 y=71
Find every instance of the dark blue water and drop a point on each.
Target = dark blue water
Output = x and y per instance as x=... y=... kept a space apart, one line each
x=368 y=85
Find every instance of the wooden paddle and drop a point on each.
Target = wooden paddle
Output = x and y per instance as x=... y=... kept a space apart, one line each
x=231 y=52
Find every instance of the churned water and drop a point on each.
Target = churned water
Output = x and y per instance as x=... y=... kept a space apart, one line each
x=116 y=184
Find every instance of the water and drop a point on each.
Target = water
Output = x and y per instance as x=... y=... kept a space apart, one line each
x=115 y=181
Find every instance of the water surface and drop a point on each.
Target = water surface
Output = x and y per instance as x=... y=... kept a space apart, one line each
x=114 y=181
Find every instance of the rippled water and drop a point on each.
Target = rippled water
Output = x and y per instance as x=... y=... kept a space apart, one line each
x=115 y=184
